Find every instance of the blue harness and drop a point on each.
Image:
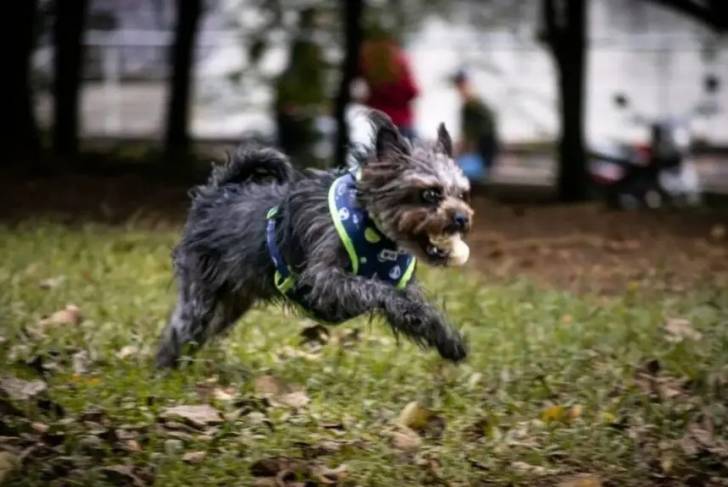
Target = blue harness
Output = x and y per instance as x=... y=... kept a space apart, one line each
x=371 y=254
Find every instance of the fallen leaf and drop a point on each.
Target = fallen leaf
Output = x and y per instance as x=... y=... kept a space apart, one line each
x=194 y=457
x=269 y=385
x=70 y=315
x=555 y=413
x=581 y=480
x=21 y=390
x=330 y=476
x=226 y=394
x=414 y=416
x=8 y=464
x=422 y=420
x=39 y=427
x=679 y=329
x=127 y=351
x=288 y=352
x=527 y=468
x=132 y=446
x=474 y=379
x=406 y=439
x=575 y=411
x=296 y=400
x=52 y=282
x=198 y=415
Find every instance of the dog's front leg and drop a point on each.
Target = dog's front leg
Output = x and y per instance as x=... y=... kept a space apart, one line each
x=334 y=295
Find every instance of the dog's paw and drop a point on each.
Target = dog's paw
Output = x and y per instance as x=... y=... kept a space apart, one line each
x=455 y=350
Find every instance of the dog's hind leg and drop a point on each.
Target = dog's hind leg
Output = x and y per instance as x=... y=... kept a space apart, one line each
x=194 y=321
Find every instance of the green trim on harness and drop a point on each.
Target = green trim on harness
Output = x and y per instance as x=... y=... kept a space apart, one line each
x=407 y=275
x=348 y=244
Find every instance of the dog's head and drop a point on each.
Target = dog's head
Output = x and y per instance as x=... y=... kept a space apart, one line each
x=416 y=194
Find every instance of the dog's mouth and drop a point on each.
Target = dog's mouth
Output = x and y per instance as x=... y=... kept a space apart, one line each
x=446 y=249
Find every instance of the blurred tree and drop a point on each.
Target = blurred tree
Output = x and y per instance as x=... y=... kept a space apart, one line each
x=565 y=26
x=70 y=16
x=713 y=13
x=22 y=133
x=177 y=137
x=300 y=91
x=352 y=11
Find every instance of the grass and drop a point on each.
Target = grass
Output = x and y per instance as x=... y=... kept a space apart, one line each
x=556 y=384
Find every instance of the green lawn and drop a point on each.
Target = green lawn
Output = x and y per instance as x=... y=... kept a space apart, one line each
x=556 y=384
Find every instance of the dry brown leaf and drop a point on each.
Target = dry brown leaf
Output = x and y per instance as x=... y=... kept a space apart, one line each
x=414 y=416
x=39 y=427
x=21 y=390
x=70 y=315
x=581 y=480
x=199 y=415
x=406 y=439
x=296 y=400
x=194 y=456
x=679 y=329
x=575 y=411
x=527 y=468
x=226 y=394
x=330 y=476
x=132 y=445
x=270 y=385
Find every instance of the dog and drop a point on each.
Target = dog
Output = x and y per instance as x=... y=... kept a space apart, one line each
x=336 y=244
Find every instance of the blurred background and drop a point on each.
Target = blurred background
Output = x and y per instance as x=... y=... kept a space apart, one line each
x=566 y=97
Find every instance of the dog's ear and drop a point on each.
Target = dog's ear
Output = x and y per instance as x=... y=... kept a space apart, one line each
x=444 y=142
x=387 y=139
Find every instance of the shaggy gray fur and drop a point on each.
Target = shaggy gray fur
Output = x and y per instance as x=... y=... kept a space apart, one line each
x=222 y=263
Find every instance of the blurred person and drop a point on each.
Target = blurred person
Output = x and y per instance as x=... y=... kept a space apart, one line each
x=478 y=147
x=300 y=94
x=391 y=88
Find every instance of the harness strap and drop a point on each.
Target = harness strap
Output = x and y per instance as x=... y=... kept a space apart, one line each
x=284 y=278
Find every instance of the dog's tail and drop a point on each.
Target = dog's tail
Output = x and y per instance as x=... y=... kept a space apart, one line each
x=253 y=164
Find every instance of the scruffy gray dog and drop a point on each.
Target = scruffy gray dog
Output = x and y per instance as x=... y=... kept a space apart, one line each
x=338 y=244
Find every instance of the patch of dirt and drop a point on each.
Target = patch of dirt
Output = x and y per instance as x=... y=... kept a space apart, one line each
x=590 y=248
x=577 y=247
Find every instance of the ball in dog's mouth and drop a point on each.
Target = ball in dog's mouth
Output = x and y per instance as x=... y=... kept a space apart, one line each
x=450 y=248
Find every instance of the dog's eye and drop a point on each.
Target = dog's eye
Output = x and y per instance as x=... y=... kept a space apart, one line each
x=465 y=196
x=431 y=195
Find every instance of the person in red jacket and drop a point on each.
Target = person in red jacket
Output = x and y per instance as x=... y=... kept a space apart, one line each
x=392 y=89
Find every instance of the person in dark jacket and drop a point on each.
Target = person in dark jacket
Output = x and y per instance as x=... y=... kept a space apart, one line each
x=479 y=145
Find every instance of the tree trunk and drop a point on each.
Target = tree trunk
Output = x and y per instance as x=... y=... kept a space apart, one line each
x=566 y=24
x=68 y=65
x=177 y=137
x=353 y=10
x=22 y=135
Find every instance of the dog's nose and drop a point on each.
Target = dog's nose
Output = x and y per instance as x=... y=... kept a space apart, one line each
x=461 y=220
